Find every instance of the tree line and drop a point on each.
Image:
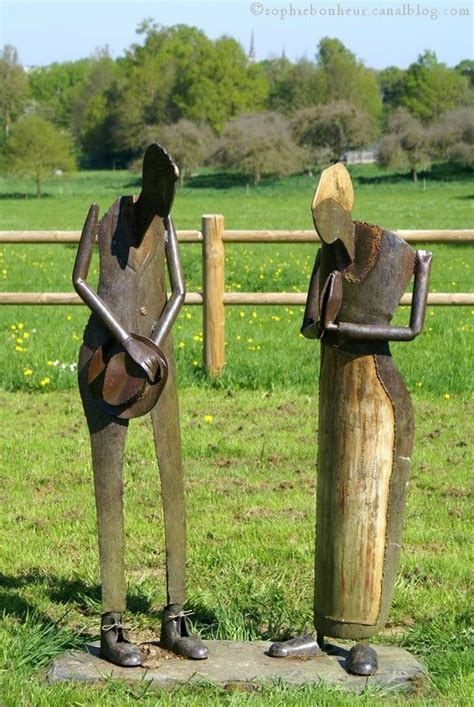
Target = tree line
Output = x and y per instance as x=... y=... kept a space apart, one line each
x=210 y=104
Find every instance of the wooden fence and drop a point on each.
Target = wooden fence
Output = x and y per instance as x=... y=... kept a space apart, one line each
x=213 y=297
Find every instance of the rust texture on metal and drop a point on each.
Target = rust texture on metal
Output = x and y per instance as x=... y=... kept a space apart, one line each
x=365 y=414
x=127 y=369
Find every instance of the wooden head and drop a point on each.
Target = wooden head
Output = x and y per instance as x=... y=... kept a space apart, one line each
x=332 y=207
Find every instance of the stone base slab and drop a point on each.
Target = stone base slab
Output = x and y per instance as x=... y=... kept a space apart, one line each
x=242 y=662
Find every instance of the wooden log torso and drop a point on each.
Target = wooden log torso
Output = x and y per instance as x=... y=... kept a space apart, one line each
x=365 y=442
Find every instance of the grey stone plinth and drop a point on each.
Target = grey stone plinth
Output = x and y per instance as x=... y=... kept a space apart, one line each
x=232 y=662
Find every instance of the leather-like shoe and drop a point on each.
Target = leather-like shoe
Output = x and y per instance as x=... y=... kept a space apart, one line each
x=362 y=660
x=301 y=645
x=115 y=645
x=175 y=636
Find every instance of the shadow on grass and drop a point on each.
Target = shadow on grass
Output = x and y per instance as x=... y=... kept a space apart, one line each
x=84 y=597
x=219 y=180
x=442 y=172
x=16 y=196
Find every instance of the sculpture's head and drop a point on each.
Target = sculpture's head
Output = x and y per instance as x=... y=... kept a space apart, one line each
x=332 y=206
x=160 y=175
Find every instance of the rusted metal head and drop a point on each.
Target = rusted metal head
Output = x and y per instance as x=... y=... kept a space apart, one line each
x=119 y=385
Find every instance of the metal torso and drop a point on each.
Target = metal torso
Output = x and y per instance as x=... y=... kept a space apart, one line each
x=132 y=274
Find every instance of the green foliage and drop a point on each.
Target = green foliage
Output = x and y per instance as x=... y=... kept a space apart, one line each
x=407 y=144
x=347 y=79
x=178 y=73
x=14 y=83
x=90 y=111
x=431 y=89
x=52 y=89
x=259 y=145
x=293 y=86
x=329 y=130
x=452 y=137
x=35 y=147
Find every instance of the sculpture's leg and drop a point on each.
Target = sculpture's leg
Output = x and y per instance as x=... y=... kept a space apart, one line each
x=108 y=444
x=166 y=430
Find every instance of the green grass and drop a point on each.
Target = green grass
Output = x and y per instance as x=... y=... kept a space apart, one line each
x=250 y=470
x=250 y=493
x=261 y=341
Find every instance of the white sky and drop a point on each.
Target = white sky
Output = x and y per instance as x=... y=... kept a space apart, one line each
x=44 y=32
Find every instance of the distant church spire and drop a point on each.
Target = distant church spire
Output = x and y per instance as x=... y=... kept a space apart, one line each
x=252 y=56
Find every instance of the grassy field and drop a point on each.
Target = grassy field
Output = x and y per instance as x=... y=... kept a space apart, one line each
x=249 y=443
x=34 y=336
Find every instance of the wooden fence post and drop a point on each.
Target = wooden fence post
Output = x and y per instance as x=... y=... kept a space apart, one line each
x=213 y=293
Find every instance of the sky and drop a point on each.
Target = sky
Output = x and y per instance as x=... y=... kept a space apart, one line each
x=67 y=30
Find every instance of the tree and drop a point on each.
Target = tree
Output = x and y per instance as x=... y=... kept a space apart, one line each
x=178 y=73
x=53 y=89
x=431 y=88
x=90 y=111
x=35 y=147
x=452 y=137
x=329 y=130
x=14 y=83
x=406 y=145
x=259 y=145
x=392 y=85
x=347 y=79
x=294 y=86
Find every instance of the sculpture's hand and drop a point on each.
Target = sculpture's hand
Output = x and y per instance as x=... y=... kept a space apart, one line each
x=143 y=356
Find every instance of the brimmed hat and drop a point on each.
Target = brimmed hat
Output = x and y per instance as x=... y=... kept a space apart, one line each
x=119 y=385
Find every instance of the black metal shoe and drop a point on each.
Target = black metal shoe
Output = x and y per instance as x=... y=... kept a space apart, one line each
x=301 y=645
x=362 y=660
x=115 y=645
x=175 y=636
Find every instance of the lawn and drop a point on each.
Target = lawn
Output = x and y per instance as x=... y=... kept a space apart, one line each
x=249 y=449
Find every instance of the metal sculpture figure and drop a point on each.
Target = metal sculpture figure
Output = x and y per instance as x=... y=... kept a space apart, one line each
x=126 y=369
x=365 y=419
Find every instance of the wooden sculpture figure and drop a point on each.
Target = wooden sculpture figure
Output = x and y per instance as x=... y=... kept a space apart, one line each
x=365 y=419
x=126 y=369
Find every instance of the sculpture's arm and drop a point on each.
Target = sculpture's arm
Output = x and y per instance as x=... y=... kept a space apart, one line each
x=178 y=291
x=310 y=327
x=378 y=332
x=139 y=353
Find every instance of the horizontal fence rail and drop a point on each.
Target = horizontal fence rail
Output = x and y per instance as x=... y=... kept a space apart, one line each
x=213 y=297
x=436 y=299
x=426 y=236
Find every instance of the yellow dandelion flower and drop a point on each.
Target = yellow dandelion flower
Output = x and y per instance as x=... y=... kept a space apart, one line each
x=446 y=396
x=20 y=325
x=69 y=317
x=26 y=334
x=208 y=418
x=45 y=381
x=50 y=363
x=188 y=315
x=20 y=349
x=181 y=345
x=27 y=372
x=195 y=363
x=242 y=314
x=13 y=327
x=19 y=341
x=195 y=338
